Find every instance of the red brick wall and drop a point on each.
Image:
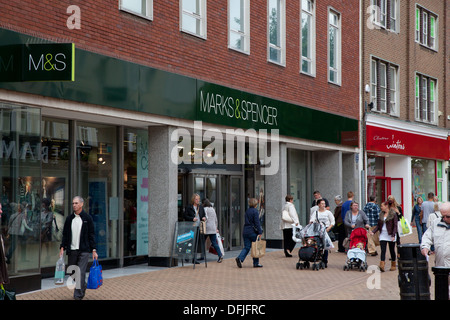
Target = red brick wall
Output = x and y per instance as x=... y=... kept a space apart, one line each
x=159 y=44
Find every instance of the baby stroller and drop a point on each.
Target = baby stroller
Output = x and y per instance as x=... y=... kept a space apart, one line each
x=312 y=238
x=356 y=255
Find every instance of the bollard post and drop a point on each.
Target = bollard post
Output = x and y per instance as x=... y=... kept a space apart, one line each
x=413 y=278
x=441 y=289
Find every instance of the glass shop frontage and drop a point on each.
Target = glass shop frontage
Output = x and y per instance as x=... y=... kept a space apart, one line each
x=46 y=160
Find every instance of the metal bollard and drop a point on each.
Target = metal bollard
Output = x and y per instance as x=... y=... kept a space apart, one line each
x=413 y=278
x=441 y=282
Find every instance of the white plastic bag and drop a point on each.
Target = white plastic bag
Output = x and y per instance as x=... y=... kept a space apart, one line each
x=219 y=242
x=60 y=271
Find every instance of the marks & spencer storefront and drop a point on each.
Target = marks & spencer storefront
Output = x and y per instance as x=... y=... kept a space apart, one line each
x=119 y=143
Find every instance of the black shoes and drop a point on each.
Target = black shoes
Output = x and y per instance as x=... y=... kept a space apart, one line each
x=257 y=266
x=220 y=260
x=239 y=262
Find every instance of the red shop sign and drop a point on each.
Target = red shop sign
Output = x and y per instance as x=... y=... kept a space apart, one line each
x=405 y=143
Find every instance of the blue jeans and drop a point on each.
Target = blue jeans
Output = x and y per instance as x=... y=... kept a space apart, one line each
x=248 y=239
x=213 y=238
x=419 y=228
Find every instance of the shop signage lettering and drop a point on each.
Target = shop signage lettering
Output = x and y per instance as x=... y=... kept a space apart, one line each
x=240 y=109
x=27 y=151
x=37 y=62
x=380 y=139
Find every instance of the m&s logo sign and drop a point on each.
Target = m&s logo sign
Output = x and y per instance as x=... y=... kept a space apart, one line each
x=37 y=62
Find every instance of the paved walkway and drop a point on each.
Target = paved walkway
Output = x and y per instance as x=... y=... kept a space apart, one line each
x=277 y=280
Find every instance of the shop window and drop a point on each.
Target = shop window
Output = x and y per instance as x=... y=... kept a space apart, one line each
x=135 y=192
x=423 y=177
x=96 y=171
x=21 y=187
x=56 y=207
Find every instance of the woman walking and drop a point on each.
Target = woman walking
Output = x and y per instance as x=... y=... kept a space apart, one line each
x=286 y=226
x=252 y=230
x=416 y=217
x=387 y=226
x=212 y=227
x=325 y=217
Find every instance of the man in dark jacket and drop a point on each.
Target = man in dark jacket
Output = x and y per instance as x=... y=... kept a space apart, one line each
x=79 y=241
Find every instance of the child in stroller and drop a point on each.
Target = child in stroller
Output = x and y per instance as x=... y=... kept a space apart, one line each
x=313 y=245
x=356 y=255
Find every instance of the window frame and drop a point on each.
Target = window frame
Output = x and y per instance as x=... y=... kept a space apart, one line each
x=338 y=54
x=391 y=87
x=426 y=107
x=282 y=34
x=311 y=37
x=427 y=22
x=148 y=8
x=246 y=33
x=201 y=17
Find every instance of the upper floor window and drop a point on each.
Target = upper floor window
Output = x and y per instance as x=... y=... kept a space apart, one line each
x=426 y=28
x=384 y=87
x=276 y=31
x=426 y=102
x=385 y=14
x=143 y=8
x=334 y=47
x=193 y=17
x=239 y=25
x=307 y=34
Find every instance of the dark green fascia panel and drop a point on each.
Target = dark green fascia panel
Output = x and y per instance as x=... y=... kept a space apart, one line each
x=116 y=83
x=235 y=108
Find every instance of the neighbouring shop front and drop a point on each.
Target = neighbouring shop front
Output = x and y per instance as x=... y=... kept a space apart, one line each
x=111 y=140
x=407 y=162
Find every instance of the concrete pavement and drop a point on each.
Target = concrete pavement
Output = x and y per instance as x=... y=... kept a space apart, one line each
x=277 y=280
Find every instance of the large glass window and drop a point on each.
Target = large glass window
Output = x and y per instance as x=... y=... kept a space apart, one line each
x=55 y=186
x=297 y=183
x=276 y=31
x=20 y=175
x=135 y=192
x=423 y=177
x=96 y=161
x=239 y=25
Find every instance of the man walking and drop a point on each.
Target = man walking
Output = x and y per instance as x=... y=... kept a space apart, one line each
x=372 y=211
x=79 y=241
x=427 y=208
x=439 y=235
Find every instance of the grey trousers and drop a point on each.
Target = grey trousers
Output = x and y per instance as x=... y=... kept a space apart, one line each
x=81 y=260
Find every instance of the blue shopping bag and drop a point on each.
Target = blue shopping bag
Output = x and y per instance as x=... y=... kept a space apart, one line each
x=95 y=279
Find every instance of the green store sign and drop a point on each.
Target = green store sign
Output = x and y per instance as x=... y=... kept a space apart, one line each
x=37 y=62
x=115 y=83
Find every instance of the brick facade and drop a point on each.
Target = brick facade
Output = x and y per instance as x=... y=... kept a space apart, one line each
x=160 y=44
x=401 y=49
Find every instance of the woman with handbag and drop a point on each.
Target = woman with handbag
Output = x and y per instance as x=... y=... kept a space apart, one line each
x=387 y=226
x=289 y=217
x=211 y=227
x=252 y=230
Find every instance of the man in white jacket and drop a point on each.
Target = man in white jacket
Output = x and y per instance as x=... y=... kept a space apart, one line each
x=438 y=235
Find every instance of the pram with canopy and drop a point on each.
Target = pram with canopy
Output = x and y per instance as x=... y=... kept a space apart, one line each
x=356 y=255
